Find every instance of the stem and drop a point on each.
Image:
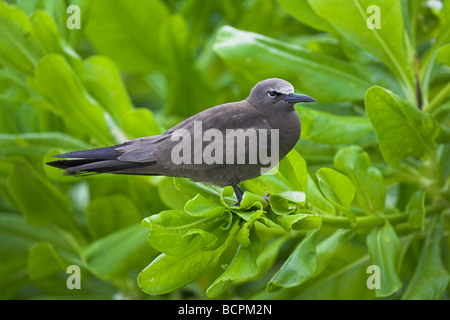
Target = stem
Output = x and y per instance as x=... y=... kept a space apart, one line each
x=438 y=99
x=374 y=221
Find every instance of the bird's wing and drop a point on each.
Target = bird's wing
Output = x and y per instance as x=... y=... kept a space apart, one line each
x=159 y=148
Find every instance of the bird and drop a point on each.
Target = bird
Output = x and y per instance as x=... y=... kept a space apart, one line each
x=223 y=145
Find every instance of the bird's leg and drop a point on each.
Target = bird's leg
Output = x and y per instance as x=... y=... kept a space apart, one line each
x=238 y=192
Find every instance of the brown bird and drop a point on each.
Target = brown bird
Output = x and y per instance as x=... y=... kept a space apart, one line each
x=223 y=145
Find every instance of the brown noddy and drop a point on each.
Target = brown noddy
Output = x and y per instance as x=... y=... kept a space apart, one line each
x=223 y=145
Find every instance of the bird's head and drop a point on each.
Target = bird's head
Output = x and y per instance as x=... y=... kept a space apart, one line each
x=275 y=92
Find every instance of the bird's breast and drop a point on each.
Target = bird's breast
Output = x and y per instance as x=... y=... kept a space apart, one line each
x=289 y=132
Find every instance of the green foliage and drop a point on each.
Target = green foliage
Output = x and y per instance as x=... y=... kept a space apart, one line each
x=367 y=184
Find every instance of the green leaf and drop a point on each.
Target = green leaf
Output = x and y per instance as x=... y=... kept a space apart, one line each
x=114 y=256
x=243 y=267
x=389 y=43
x=44 y=260
x=17 y=238
x=105 y=215
x=177 y=233
x=39 y=200
x=298 y=221
x=303 y=11
x=56 y=81
x=129 y=41
x=430 y=278
x=416 y=209
x=140 y=122
x=38 y=143
x=190 y=189
x=384 y=249
x=368 y=180
x=319 y=203
x=327 y=248
x=47 y=32
x=268 y=256
x=243 y=236
x=250 y=201
x=339 y=129
x=202 y=207
x=337 y=187
x=402 y=129
x=443 y=54
x=189 y=92
x=19 y=45
x=287 y=202
x=299 y=267
x=171 y=196
x=101 y=77
x=293 y=168
x=305 y=69
x=444 y=24
x=167 y=273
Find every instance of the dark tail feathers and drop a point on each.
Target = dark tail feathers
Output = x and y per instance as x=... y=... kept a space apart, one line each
x=93 y=161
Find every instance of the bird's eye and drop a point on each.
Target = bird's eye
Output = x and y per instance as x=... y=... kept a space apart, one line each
x=272 y=94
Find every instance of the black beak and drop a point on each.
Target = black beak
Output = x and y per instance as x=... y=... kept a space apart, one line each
x=295 y=98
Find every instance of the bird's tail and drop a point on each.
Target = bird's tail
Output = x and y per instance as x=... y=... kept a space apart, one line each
x=94 y=161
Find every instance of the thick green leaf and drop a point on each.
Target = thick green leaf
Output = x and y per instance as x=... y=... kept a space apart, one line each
x=293 y=168
x=188 y=91
x=402 y=129
x=319 y=203
x=303 y=12
x=44 y=260
x=105 y=215
x=177 y=233
x=243 y=236
x=287 y=202
x=299 y=267
x=38 y=143
x=337 y=187
x=297 y=221
x=114 y=256
x=49 y=36
x=327 y=248
x=268 y=256
x=339 y=129
x=260 y=57
x=202 y=207
x=56 y=81
x=127 y=32
x=250 y=201
x=191 y=189
x=101 y=77
x=39 y=200
x=430 y=278
x=167 y=273
x=443 y=55
x=416 y=209
x=368 y=180
x=243 y=266
x=388 y=43
x=140 y=122
x=19 y=45
x=384 y=249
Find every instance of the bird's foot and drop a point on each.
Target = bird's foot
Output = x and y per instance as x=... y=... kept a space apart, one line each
x=266 y=197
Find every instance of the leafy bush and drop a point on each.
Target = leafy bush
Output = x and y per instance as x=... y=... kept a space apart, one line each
x=367 y=184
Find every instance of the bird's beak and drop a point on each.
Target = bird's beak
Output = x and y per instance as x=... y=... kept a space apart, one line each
x=295 y=98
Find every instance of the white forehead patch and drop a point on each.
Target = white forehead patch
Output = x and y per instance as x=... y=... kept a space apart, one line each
x=273 y=84
x=284 y=88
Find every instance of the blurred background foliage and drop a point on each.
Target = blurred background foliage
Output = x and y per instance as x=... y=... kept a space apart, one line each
x=136 y=67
